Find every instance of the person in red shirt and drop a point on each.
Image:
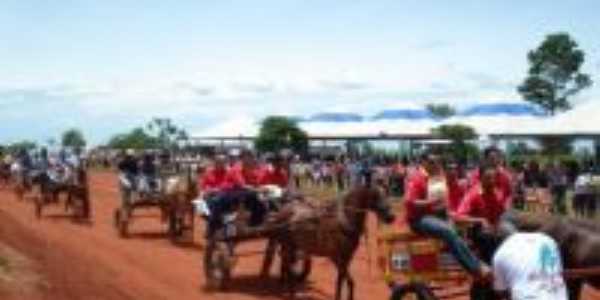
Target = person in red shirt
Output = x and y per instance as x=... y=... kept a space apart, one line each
x=484 y=203
x=276 y=174
x=214 y=179
x=503 y=180
x=425 y=203
x=456 y=188
x=246 y=174
x=484 y=206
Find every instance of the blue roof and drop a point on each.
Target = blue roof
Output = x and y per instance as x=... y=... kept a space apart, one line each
x=494 y=109
x=335 y=117
x=406 y=114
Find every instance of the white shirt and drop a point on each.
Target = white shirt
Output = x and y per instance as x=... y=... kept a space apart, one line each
x=529 y=267
x=582 y=184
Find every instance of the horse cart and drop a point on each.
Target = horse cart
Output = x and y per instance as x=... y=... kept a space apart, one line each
x=74 y=187
x=173 y=197
x=220 y=257
x=417 y=267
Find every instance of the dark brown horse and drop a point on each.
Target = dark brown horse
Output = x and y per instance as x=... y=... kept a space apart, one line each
x=332 y=232
x=578 y=240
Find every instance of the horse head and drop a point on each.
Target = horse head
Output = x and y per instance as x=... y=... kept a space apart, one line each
x=372 y=199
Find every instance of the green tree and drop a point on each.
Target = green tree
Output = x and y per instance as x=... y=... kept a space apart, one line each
x=459 y=135
x=556 y=145
x=442 y=111
x=166 y=132
x=21 y=145
x=277 y=133
x=554 y=74
x=135 y=139
x=73 y=138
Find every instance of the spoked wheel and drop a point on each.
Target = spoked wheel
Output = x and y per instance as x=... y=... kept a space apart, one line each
x=121 y=222
x=218 y=263
x=417 y=291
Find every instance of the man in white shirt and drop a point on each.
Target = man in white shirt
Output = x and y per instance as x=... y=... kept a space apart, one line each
x=527 y=266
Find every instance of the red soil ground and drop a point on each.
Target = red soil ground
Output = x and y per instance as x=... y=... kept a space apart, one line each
x=89 y=261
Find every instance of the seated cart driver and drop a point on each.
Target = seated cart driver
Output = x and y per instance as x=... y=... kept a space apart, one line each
x=483 y=205
x=149 y=174
x=242 y=181
x=128 y=172
x=275 y=180
x=211 y=184
x=426 y=213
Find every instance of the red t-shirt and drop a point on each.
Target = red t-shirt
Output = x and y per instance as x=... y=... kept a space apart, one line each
x=503 y=182
x=456 y=192
x=214 y=180
x=277 y=177
x=237 y=176
x=479 y=205
x=416 y=190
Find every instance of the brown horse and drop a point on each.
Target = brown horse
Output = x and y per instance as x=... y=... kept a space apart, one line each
x=332 y=232
x=578 y=240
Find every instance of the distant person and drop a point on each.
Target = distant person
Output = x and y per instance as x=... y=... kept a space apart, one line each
x=558 y=185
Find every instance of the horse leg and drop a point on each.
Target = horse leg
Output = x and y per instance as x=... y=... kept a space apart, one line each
x=268 y=259
x=350 y=282
x=574 y=289
x=342 y=277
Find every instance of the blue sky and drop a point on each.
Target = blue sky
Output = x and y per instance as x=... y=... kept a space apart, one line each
x=106 y=66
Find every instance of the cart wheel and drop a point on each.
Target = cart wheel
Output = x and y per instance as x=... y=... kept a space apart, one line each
x=217 y=265
x=407 y=291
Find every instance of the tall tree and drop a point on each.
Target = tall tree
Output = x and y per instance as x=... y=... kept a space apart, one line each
x=554 y=74
x=441 y=111
x=277 y=133
x=135 y=139
x=166 y=132
x=458 y=134
x=22 y=145
x=73 y=138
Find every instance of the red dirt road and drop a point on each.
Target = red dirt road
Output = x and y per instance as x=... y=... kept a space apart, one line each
x=89 y=261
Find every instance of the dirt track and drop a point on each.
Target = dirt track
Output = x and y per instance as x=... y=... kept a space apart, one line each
x=89 y=261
